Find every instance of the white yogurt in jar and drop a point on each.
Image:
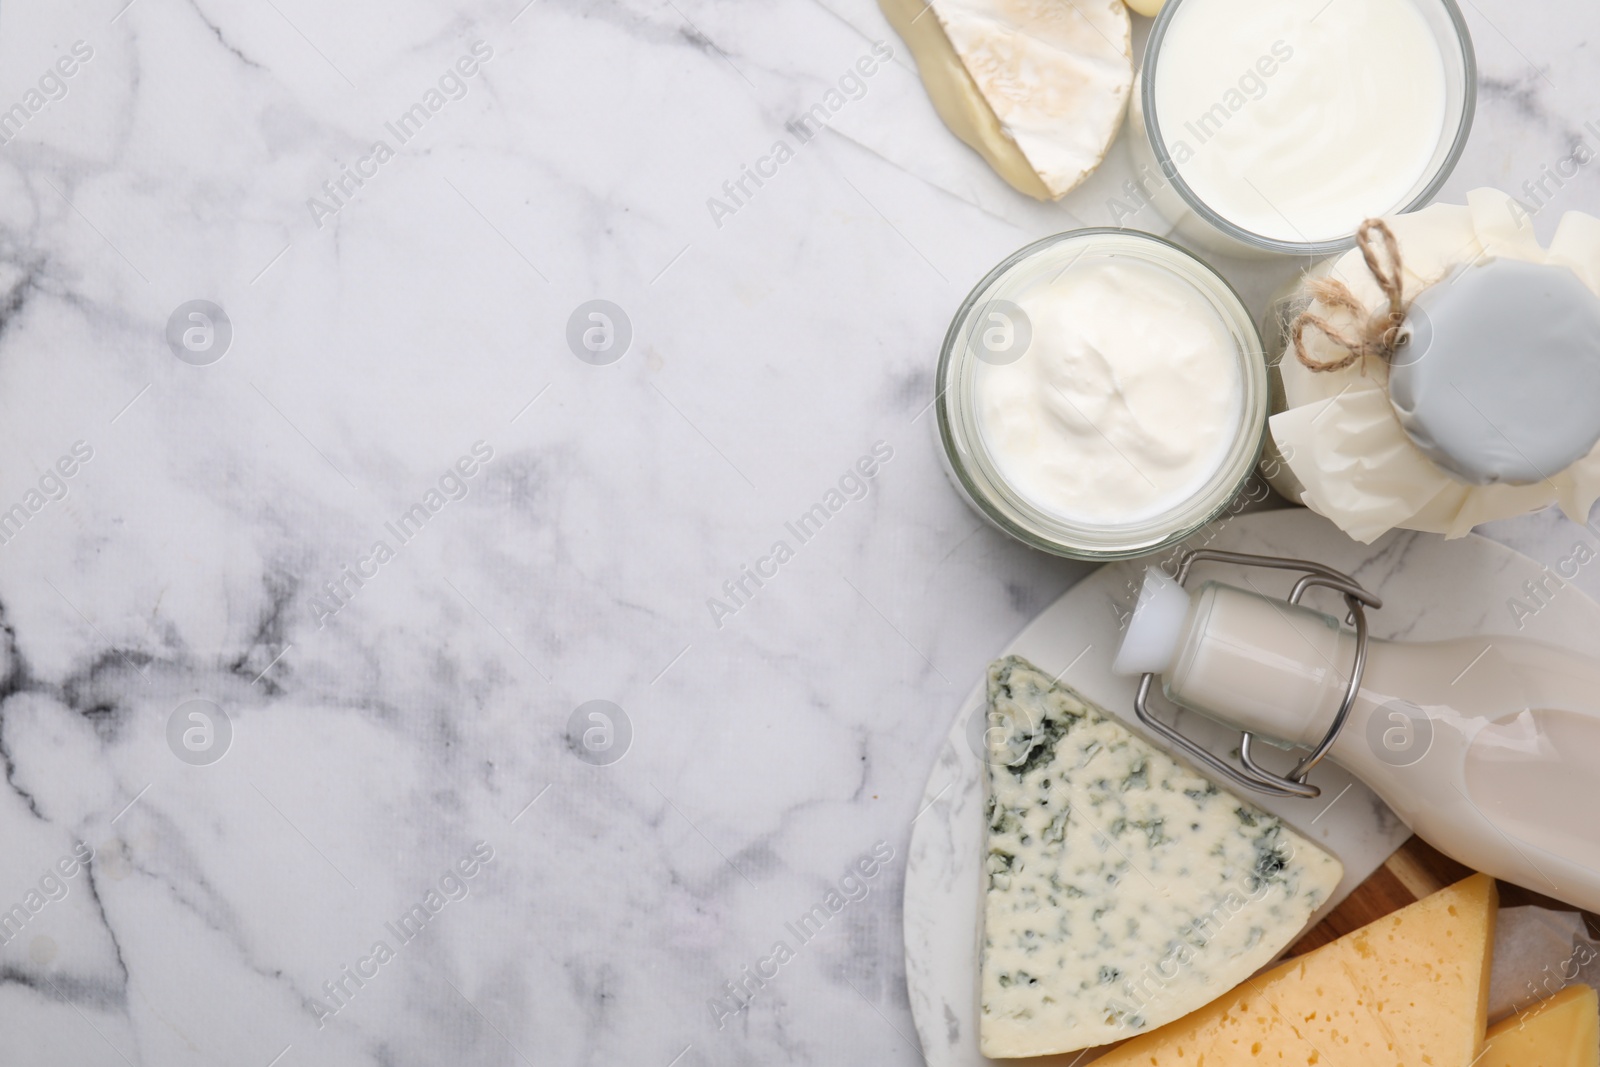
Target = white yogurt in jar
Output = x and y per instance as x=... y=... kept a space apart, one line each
x=1297 y=119
x=1127 y=400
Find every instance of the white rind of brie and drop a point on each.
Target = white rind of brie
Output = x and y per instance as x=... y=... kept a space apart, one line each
x=1056 y=75
x=1124 y=889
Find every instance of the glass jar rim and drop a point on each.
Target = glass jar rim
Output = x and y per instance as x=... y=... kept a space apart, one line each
x=1191 y=200
x=978 y=477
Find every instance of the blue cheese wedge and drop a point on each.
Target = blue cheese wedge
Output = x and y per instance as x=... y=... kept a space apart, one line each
x=1124 y=889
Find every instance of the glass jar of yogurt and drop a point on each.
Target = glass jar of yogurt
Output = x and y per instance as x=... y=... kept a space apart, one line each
x=1262 y=126
x=1101 y=394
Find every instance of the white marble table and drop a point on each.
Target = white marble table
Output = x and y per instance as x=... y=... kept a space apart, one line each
x=509 y=531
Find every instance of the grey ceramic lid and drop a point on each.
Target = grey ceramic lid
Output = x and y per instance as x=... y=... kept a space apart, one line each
x=1499 y=381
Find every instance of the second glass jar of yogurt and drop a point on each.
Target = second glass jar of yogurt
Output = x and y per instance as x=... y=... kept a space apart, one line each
x=1263 y=126
x=1101 y=394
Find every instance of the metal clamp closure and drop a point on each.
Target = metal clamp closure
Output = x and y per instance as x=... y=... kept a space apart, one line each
x=1253 y=775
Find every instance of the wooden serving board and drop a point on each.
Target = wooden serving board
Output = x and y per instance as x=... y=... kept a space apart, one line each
x=1415 y=870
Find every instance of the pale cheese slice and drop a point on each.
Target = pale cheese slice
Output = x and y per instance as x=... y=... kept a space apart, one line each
x=1560 y=1031
x=1124 y=888
x=1037 y=87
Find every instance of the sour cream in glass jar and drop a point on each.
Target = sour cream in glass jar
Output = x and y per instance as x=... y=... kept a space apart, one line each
x=1102 y=394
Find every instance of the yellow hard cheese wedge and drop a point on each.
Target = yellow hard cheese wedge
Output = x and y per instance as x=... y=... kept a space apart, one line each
x=1410 y=990
x=1563 y=1031
x=1036 y=87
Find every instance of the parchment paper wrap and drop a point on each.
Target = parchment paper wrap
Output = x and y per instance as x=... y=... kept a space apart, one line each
x=1339 y=435
x=1537 y=952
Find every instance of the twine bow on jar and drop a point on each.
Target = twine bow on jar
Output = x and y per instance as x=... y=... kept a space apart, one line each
x=1378 y=333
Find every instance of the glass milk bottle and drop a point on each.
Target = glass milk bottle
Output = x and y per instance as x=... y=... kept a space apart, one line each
x=1487 y=747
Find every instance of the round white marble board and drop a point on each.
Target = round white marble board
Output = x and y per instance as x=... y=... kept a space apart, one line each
x=1432 y=588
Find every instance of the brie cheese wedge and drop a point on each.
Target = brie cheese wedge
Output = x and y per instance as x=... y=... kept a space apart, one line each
x=1037 y=87
x=1124 y=889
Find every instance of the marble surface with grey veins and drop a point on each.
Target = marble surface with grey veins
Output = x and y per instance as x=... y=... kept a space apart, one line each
x=328 y=513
